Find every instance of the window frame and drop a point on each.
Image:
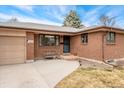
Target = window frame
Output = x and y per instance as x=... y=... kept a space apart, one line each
x=109 y=38
x=85 y=35
x=40 y=43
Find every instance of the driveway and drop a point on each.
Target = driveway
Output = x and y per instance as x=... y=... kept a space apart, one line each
x=42 y=73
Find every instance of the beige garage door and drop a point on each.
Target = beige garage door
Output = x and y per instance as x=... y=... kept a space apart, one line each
x=12 y=50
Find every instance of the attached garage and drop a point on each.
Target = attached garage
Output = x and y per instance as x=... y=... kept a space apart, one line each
x=12 y=47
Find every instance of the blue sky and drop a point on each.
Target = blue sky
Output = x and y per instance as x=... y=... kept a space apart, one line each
x=54 y=15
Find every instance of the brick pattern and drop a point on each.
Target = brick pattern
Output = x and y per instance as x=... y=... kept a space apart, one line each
x=90 y=50
x=41 y=51
x=116 y=50
x=30 y=46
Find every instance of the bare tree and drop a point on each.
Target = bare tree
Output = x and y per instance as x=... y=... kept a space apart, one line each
x=13 y=19
x=107 y=21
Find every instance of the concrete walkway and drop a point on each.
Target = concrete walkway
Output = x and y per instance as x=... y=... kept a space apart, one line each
x=43 y=73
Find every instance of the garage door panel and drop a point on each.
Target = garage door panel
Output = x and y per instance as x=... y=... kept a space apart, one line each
x=10 y=61
x=12 y=50
x=8 y=40
x=15 y=56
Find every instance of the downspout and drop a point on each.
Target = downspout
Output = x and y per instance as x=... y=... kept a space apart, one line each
x=103 y=57
x=103 y=47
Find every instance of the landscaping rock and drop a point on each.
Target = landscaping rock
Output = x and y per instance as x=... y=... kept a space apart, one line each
x=120 y=63
x=96 y=65
x=111 y=62
x=116 y=63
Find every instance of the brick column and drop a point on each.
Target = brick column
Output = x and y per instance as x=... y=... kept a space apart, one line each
x=61 y=45
x=30 y=46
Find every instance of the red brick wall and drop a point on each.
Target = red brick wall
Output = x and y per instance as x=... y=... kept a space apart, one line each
x=114 y=51
x=30 y=46
x=90 y=50
x=41 y=51
x=93 y=49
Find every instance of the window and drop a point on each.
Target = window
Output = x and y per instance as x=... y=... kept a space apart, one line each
x=110 y=37
x=48 y=40
x=84 y=38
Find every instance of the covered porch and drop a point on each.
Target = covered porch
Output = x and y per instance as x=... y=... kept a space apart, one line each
x=40 y=45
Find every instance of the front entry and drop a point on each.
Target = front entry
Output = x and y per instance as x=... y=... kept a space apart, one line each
x=66 y=46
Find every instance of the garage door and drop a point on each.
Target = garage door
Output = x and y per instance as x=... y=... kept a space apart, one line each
x=12 y=50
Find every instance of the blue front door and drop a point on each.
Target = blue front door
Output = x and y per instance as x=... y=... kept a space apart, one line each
x=66 y=46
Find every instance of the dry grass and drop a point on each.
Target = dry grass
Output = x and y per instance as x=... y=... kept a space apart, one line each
x=93 y=78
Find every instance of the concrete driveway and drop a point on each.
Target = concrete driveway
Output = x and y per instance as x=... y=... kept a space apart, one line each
x=42 y=73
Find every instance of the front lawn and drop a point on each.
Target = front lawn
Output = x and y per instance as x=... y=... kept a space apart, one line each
x=93 y=78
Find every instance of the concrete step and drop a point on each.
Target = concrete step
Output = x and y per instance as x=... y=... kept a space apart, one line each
x=67 y=54
x=69 y=57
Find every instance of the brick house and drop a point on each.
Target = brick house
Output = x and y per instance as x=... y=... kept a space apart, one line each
x=26 y=42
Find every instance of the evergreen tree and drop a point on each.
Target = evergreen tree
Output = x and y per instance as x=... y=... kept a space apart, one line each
x=72 y=20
